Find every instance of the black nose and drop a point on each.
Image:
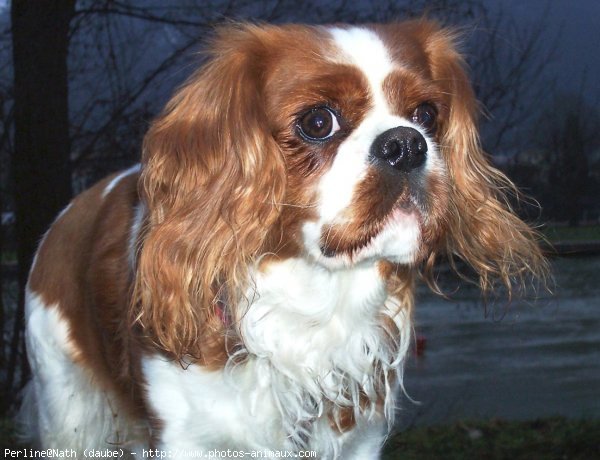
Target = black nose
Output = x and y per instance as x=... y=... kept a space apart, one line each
x=401 y=148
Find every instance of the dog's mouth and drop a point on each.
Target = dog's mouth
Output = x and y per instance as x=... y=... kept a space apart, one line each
x=386 y=220
x=355 y=240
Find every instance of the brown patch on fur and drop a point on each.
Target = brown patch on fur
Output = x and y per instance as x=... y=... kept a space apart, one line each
x=82 y=266
x=406 y=90
x=400 y=281
x=345 y=419
x=434 y=223
x=386 y=269
x=404 y=41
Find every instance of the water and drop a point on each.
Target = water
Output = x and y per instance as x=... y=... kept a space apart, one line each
x=530 y=361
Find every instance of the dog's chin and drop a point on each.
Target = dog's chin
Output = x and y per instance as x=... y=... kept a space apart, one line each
x=396 y=238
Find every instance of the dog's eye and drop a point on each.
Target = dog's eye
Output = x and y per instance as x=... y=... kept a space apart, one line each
x=425 y=115
x=318 y=124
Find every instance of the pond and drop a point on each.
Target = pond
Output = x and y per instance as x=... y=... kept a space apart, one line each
x=523 y=362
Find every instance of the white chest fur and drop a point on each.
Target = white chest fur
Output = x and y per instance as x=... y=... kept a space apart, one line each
x=315 y=343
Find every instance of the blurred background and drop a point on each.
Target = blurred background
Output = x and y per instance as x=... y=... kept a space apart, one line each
x=81 y=80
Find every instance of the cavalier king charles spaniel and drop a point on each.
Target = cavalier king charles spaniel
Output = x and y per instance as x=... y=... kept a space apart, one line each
x=250 y=285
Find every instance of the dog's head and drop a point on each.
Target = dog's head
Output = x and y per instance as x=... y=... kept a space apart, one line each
x=341 y=145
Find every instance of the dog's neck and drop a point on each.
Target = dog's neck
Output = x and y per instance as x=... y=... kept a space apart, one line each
x=325 y=342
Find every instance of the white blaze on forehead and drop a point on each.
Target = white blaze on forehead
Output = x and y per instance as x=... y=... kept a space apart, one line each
x=364 y=49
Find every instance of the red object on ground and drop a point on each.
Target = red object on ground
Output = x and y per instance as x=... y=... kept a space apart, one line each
x=420 y=344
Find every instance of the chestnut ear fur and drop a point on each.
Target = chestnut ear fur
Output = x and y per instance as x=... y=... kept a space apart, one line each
x=482 y=229
x=211 y=179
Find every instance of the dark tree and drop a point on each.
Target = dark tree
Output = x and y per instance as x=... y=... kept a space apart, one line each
x=40 y=161
x=570 y=169
x=567 y=135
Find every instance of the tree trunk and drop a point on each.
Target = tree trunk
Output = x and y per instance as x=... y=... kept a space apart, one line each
x=40 y=162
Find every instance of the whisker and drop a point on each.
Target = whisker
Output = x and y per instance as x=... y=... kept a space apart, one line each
x=301 y=206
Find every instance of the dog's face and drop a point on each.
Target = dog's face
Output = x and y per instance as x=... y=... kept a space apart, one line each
x=340 y=145
x=359 y=118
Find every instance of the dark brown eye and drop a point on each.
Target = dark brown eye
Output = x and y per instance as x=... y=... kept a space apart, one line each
x=318 y=124
x=425 y=115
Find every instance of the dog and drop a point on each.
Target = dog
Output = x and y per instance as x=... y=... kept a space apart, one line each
x=250 y=284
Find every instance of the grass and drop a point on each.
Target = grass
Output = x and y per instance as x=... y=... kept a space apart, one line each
x=543 y=439
x=550 y=438
x=582 y=233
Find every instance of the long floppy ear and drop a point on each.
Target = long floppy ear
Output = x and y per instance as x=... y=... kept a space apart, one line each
x=483 y=229
x=211 y=179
